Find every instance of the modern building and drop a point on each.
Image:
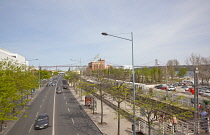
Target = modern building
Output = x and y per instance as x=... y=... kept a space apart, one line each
x=4 y=54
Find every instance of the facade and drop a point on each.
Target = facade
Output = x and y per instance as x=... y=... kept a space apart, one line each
x=4 y=54
x=99 y=64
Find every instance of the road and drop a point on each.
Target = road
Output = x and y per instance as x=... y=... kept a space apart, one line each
x=65 y=113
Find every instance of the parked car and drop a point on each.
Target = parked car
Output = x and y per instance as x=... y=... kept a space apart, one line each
x=200 y=91
x=42 y=121
x=171 y=88
x=185 y=87
x=158 y=86
x=206 y=94
x=164 y=87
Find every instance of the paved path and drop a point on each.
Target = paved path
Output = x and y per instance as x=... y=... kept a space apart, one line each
x=110 y=118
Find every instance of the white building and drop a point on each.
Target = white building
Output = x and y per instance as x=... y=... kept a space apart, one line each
x=127 y=67
x=4 y=54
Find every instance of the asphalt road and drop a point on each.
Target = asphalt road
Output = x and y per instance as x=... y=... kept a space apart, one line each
x=66 y=115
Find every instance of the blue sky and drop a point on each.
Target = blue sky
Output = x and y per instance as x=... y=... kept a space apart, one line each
x=55 y=31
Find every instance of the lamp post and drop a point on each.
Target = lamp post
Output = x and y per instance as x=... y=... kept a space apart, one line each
x=27 y=67
x=196 y=114
x=39 y=77
x=133 y=77
x=80 y=76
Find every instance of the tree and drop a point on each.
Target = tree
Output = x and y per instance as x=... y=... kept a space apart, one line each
x=119 y=91
x=149 y=106
x=72 y=77
x=102 y=85
x=171 y=64
x=205 y=69
x=203 y=65
x=16 y=82
x=182 y=72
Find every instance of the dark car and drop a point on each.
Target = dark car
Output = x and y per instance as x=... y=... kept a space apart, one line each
x=58 y=90
x=158 y=86
x=65 y=86
x=42 y=121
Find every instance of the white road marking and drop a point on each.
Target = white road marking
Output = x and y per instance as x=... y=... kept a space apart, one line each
x=53 y=129
x=40 y=105
x=37 y=114
x=72 y=120
x=30 y=128
x=68 y=109
x=66 y=102
x=53 y=124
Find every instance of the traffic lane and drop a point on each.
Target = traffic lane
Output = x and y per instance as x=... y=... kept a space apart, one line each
x=23 y=125
x=81 y=121
x=71 y=118
x=63 y=121
x=46 y=106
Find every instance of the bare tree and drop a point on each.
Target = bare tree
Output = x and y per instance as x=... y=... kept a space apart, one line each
x=171 y=64
x=203 y=65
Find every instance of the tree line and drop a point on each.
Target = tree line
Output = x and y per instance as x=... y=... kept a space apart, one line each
x=17 y=83
x=171 y=72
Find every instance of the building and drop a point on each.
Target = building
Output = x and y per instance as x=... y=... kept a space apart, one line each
x=98 y=64
x=4 y=54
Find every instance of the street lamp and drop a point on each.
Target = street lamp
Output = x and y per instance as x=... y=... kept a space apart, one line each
x=80 y=76
x=133 y=77
x=196 y=114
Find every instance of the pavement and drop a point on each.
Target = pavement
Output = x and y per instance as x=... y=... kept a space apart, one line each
x=110 y=125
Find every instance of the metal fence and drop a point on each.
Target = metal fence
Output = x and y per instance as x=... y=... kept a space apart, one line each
x=199 y=127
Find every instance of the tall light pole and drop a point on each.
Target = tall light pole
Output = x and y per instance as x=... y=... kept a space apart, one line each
x=196 y=114
x=133 y=77
x=80 y=76
x=39 y=77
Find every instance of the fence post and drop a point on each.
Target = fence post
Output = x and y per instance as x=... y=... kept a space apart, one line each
x=208 y=125
x=163 y=127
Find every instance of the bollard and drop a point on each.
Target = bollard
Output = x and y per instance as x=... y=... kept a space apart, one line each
x=132 y=127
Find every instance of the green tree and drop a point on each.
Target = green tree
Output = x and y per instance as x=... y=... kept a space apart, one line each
x=73 y=77
x=182 y=72
x=149 y=106
x=16 y=82
x=119 y=91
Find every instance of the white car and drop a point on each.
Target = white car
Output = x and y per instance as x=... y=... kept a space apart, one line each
x=171 y=88
x=185 y=87
x=206 y=94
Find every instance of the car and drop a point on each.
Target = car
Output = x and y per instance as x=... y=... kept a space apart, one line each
x=206 y=94
x=200 y=91
x=171 y=88
x=58 y=90
x=65 y=86
x=52 y=84
x=164 y=87
x=185 y=87
x=42 y=121
x=158 y=86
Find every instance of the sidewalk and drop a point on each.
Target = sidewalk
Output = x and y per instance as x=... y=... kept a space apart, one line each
x=110 y=118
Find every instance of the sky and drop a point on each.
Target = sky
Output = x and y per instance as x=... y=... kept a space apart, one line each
x=67 y=32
